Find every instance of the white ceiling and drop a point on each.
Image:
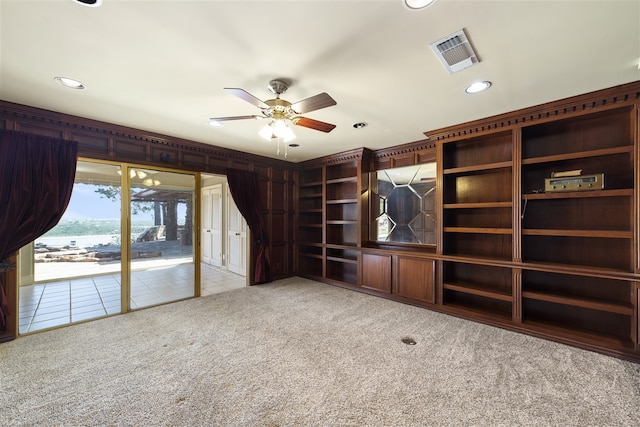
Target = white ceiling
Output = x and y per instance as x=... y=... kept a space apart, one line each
x=161 y=66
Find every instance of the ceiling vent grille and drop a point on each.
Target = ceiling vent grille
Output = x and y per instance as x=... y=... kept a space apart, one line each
x=455 y=52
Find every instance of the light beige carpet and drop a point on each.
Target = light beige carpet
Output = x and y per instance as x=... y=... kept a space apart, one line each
x=300 y=353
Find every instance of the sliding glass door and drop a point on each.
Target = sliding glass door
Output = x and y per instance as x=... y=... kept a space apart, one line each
x=73 y=272
x=161 y=246
x=124 y=242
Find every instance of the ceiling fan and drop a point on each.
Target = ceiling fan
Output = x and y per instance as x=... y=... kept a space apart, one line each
x=280 y=111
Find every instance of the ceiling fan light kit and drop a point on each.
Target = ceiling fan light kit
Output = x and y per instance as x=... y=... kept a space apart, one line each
x=277 y=129
x=281 y=112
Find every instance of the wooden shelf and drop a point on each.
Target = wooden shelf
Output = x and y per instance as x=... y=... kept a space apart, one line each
x=579 y=155
x=478 y=230
x=474 y=290
x=338 y=246
x=310 y=225
x=341 y=222
x=578 y=194
x=310 y=244
x=344 y=260
x=311 y=184
x=306 y=255
x=478 y=168
x=579 y=270
x=580 y=302
x=578 y=335
x=607 y=234
x=352 y=179
x=341 y=201
x=311 y=196
x=479 y=312
x=478 y=205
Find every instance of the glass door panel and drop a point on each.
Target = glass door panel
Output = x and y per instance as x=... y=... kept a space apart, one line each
x=161 y=242
x=72 y=273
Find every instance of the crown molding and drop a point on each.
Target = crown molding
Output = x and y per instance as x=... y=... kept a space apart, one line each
x=581 y=104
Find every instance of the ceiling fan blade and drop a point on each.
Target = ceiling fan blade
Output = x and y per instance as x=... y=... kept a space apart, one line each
x=217 y=121
x=322 y=100
x=243 y=94
x=227 y=119
x=313 y=124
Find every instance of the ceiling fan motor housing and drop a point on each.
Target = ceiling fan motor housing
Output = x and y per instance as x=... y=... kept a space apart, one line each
x=279 y=109
x=278 y=87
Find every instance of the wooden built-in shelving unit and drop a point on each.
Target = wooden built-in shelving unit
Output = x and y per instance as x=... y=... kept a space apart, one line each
x=561 y=265
x=329 y=220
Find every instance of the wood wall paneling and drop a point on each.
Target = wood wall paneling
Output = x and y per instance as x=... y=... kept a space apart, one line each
x=131 y=150
x=406 y=160
x=169 y=157
x=192 y=159
x=278 y=196
x=91 y=144
x=278 y=258
x=278 y=228
x=39 y=129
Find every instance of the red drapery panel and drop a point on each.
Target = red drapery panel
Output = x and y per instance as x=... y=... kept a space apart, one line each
x=36 y=179
x=245 y=192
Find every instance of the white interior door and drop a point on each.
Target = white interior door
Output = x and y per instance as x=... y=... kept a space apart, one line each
x=212 y=225
x=237 y=238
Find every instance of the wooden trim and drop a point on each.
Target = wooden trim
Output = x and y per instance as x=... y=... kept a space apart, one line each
x=516 y=292
x=635 y=327
x=342 y=157
x=68 y=124
x=635 y=129
x=615 y=96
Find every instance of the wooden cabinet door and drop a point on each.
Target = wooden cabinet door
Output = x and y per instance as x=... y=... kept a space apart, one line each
x=415 y=279
x=376 y=272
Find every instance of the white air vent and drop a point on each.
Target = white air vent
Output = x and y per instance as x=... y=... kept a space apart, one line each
x=455 y=52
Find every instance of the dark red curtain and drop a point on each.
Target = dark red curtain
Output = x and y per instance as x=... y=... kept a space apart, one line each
x=36 y=180
x=246 y=195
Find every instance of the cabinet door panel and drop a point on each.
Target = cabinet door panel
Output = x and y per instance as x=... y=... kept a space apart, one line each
x=376 y=272
x=416 y=278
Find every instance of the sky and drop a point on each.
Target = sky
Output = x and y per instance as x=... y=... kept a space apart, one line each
x=85 y=203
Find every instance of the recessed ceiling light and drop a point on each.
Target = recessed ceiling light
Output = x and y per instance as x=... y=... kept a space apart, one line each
x=417 y=4
x=90 y=3
x=70 y=83
x=359 y=125
x=215 y=123
x=294 y=145
x=478 y=87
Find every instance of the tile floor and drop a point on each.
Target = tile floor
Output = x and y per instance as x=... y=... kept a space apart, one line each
x=46 y=305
